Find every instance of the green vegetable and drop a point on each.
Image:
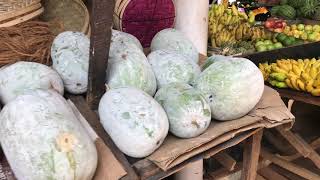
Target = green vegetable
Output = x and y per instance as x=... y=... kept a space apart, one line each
x=287 y=11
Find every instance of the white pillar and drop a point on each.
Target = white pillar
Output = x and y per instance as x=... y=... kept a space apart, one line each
x=192 y=20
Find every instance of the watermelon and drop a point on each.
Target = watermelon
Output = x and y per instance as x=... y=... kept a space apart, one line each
x=136 y=123
x=43 y=139
x=232 y=87
x=170 y=66
x=172 y=39
x=17 y=78
x=129 y=67
x=70 y=58
x=287 y=11
x=187 y=110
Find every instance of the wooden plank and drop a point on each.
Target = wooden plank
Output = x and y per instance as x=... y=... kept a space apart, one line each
x=300 y=145
x=251 y=156
x=314 y=145
x=294 y=141
x=299 y=96
x=268 y=173
x=278 y=143
x=259 y=177
x=94 y=122
x=289 y=166
x=225 y=160
x=101 y=24
x=224 y=173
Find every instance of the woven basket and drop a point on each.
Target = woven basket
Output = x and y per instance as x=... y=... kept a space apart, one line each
x=72 y=14
x=143 y=18
x=13 y=12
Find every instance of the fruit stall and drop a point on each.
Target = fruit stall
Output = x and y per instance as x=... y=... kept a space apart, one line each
x=104 y=89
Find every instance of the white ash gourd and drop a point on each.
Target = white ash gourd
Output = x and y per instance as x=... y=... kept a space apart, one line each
x=187 y=110
x=42 y=138
x=126 y=37
x=22 y=76
x=129 y=67
x=232 y=87
x=170 y=66
x=136 y=123
x=172 y=39
x=70 y=58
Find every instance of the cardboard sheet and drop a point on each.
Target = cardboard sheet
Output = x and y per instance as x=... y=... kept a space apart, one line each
x=269 y=112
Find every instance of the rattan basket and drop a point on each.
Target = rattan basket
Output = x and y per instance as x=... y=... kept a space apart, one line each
x=13 y=12
x=72 y=14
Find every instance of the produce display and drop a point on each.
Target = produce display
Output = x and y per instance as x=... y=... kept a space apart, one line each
x=291 y=9
x=172 y=39
x=70 y=58
x=170 y=66
x=188 y=112
x=267 y=45
x=227 y=84
x=17 y=78
x=300 y=75
x=227 y=26
x=125 y=37
x=43 y=139
x=305 y=32
x=136 y=122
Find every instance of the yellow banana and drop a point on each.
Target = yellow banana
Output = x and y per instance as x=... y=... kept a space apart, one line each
x=305 y=77
x=288 y=82
x=301 y=85
x=282 y=66
x=234 y=10
x=294 y=83
x=275 y=68
x=296 y=69
x=313 y=72
x=309 y=86
x=315 y=92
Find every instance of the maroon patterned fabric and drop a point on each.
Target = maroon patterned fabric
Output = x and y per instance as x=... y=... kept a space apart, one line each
x=144 y=18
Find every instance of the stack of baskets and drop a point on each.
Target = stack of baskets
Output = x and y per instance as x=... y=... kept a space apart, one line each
x=13 y=12
x=73 y=15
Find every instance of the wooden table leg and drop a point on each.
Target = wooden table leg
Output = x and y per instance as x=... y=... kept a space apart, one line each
x=251 y=154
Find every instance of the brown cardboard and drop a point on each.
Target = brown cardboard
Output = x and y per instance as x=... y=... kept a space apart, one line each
x=269 y=112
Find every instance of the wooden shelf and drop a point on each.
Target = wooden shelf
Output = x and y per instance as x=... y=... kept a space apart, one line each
x=299 y=96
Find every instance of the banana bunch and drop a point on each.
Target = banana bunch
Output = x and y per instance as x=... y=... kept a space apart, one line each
x=223 y=37
x=221 y=18
x=301 y=75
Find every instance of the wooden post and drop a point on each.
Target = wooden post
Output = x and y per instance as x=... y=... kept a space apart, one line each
x=251 y=154
x=101 y=24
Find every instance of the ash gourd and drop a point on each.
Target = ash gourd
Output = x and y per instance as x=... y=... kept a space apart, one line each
x=232 y=87
x=17 y=78
x=43 y=139
x=170 y=66
x=136 y=123
x=172 y=39
x=188 y=111
x=70 y=58
x=128 y=66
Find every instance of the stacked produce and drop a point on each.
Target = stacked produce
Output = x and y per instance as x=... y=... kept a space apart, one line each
x=300 y=75
x=267 y=45
x=291 y=9
x=227 y=26
x=305 y=32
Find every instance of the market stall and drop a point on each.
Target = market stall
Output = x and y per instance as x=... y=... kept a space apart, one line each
x=168 y=124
